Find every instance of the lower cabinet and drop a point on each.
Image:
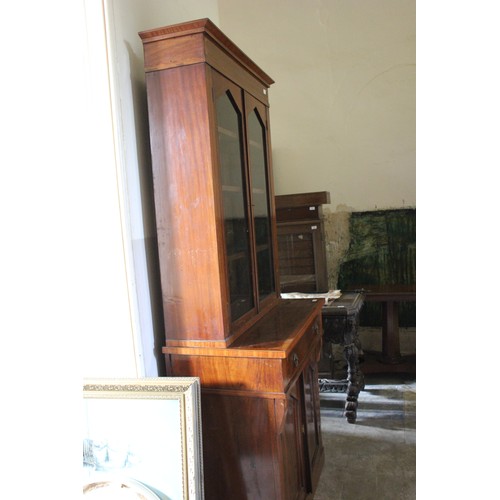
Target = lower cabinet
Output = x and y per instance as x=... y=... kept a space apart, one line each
x=260 y=416
x=262 y=447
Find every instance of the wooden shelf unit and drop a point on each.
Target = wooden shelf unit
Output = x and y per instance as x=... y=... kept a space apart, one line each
x=301 y=242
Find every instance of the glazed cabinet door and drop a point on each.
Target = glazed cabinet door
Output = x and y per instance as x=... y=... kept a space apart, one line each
x=298 y=245
x=260 y=184
x=234 y=193
x=245 y=180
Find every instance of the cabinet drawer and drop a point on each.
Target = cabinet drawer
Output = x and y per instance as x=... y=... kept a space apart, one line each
x=299 y=355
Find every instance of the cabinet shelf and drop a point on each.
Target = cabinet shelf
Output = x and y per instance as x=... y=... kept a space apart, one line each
x=227 y=133
x=231 y=189
x=237 y=256
x=256 y=145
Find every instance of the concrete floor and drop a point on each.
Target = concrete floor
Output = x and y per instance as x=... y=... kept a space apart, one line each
x=375 y=458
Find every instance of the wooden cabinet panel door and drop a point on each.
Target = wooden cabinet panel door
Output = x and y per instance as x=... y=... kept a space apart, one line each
x=312 y=420
x=292 y=446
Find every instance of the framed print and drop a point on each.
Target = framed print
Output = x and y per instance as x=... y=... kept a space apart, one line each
x=142 y=439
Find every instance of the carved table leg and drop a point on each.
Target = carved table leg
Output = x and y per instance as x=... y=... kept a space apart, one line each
x=340 y=322
x=355 y=378
x=355 y=382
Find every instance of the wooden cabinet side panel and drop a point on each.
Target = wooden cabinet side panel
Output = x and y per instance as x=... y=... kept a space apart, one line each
x=239 y=447
x=173 y=52
x=185 y=203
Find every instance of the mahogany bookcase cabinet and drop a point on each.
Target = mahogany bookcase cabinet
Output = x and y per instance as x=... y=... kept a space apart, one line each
x=256 y=354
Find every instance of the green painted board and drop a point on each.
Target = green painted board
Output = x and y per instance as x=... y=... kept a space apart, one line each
x=382 y=251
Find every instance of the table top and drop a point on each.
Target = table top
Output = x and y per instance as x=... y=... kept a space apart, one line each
x=347 y=304
x=382 y=293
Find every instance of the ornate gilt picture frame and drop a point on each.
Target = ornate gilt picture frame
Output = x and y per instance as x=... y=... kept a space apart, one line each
x=142 y=438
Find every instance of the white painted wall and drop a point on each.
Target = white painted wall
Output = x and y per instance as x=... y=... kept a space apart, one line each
x=109 y=348
x=127 y=333
x=343 y=105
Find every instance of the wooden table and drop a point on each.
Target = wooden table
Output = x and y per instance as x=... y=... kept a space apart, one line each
x=390 y=296
x=340 y=327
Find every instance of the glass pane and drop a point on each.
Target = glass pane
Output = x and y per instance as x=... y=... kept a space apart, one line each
x=296 y=259
x=258 y=176
x=234 y=202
